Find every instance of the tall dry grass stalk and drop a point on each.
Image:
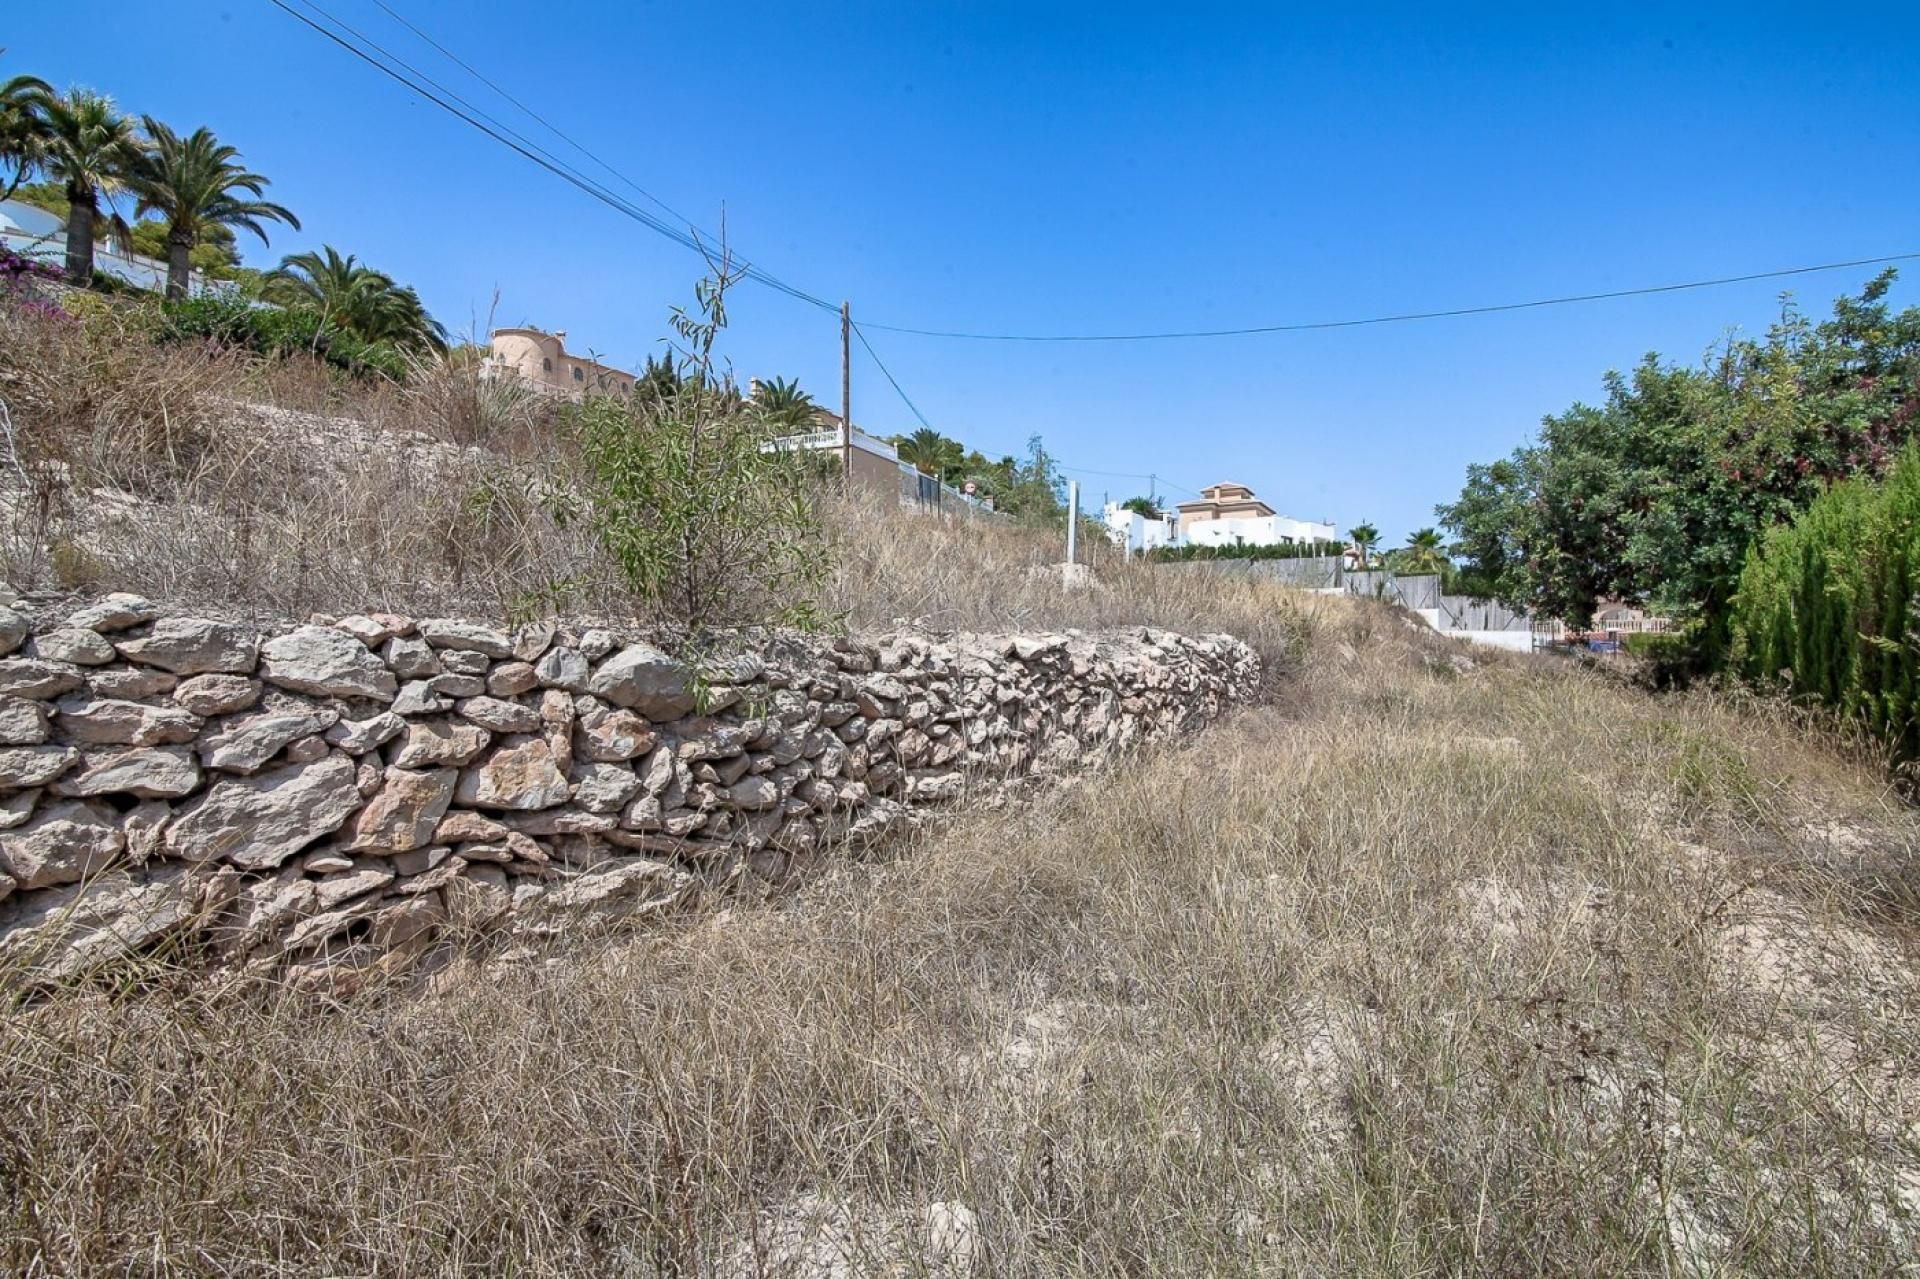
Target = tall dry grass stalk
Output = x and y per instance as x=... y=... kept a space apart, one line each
x=1511 y=971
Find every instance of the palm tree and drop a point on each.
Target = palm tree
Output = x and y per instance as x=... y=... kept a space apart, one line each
x=90 y=148
x=929 y=451
x=1364 y=537
x=784 y=404
x=1423 y=552
x=23 y=128
x=195 y=184
x=354 y=298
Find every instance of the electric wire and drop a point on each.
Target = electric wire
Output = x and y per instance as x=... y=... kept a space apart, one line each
x=913 y=408
x=539 y=119
x=472 y=116
x=1398 y=318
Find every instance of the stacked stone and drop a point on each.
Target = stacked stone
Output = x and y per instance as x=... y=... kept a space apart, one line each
x=344 y=793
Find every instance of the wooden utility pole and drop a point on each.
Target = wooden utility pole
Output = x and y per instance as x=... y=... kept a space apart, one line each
x=846 y=391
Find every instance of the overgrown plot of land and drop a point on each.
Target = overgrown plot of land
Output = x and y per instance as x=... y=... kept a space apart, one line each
x=1432 y=966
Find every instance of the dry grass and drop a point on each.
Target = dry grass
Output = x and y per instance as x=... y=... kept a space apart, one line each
x=1517 y=970
x=953 y=574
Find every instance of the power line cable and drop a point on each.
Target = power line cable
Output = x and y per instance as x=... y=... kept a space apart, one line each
x=922 y=419
x=539 y=119
x=891 y=379
x=1399 y=318
x=507 y=137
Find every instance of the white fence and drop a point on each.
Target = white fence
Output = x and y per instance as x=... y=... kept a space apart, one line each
x=141 y=273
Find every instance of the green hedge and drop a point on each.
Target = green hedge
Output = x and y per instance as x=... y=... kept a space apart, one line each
x=1663 y=646
x=1825 y=606
x=277 y=331
x=1241 y=551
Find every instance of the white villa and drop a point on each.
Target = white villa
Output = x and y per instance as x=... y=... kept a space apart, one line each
x=1225 y=514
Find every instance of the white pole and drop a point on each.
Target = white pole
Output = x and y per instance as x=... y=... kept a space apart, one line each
x=1073 y=517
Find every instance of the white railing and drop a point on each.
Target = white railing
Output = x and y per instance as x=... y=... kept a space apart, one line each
x=143 y=273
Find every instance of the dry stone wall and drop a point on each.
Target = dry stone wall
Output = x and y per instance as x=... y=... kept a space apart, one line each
x=338 y=797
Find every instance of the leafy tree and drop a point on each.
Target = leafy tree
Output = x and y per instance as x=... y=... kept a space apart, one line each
x=659 y=380
x=356 y=299
x=196 y=183
x=1033 y=493
x=50 y=196
x=1363 y=538
x=783 y=403
x=89 y=147
x=1655 y=494
x=23 y=129
x=1488 y=521
x=215 y=256
x=1142 y=505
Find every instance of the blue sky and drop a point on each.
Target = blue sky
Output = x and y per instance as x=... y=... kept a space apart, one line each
x=1040 y=168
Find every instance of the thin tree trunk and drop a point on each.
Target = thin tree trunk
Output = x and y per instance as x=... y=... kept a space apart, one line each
x=178 y=271
x=80 y=215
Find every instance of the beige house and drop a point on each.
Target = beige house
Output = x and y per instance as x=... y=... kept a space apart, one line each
x=542 y=361
x=1230 y=515
x=1224 y=502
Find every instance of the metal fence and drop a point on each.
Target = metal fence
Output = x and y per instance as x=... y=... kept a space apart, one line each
x=925 y=493
x=1419 y=592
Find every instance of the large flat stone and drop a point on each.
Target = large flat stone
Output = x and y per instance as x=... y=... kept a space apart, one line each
x=66 y=932
x=405 y=810
x=446 y=632
x=115 y=612
x=37 y=678
x=643 y=678
x=243 y=745
x=520 y=775
x=259 y=822
x=24 y=766
x=148 y=772
x=62 y=844
x=217 y=694
x=435 y=743
x=110 y=721
x=193 y=645
x=327 y=663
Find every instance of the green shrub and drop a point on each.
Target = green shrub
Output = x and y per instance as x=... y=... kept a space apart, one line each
x=710 y=521
x=1825 y=606
x=1671 y=659
x=1661 y=646
x=276 y=332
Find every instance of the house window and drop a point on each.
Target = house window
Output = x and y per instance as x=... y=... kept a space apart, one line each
x=546 y=365
x=578 y=376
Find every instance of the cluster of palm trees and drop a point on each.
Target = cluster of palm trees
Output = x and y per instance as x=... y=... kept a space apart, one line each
x=196 y=186
x=1423 y=553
